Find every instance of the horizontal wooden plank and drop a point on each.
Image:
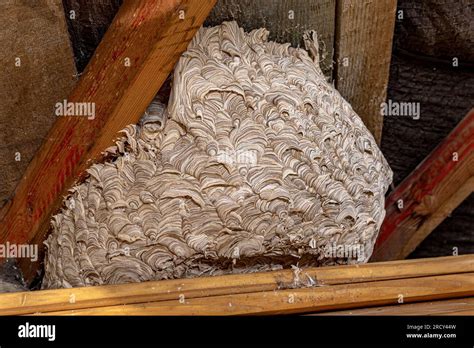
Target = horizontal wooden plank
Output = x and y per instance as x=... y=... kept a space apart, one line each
x=428 y=195
x=305 y=300
x=88 y=297
x=136 y=55
x=461 y=306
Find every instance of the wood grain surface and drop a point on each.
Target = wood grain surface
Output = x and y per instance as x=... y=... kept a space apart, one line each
x=304 y=300
x=428 y=195
x=173 y=290
x=364 y=34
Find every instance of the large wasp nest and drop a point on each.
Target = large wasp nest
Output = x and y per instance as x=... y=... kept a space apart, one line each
x=257 y=163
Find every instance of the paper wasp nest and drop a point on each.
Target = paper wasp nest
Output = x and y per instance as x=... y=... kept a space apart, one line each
x=257 y=163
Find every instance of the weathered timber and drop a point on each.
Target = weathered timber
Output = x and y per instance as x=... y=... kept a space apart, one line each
x=461 y=306
x=133 y=293
x=306 y=300
x=428 y=195
x=363 y=47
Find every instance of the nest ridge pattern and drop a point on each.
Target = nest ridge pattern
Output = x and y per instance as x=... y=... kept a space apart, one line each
x=257 y=163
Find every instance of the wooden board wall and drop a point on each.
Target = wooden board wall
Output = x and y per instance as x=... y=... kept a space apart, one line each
x=36 y=33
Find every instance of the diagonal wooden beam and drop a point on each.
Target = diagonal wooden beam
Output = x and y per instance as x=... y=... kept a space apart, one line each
x=429 y=194
x=134 y=58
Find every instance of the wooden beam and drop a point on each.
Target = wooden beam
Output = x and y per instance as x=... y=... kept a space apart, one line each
x=304 y=300
x=111 y=295
x=364 y=33
x=429 y=194
x=461 y=306
x=135 y=56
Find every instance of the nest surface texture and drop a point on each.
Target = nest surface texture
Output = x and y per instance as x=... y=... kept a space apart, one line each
x=257 y=163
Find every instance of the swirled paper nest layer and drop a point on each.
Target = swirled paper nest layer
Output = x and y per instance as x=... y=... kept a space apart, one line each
x=257 y=163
